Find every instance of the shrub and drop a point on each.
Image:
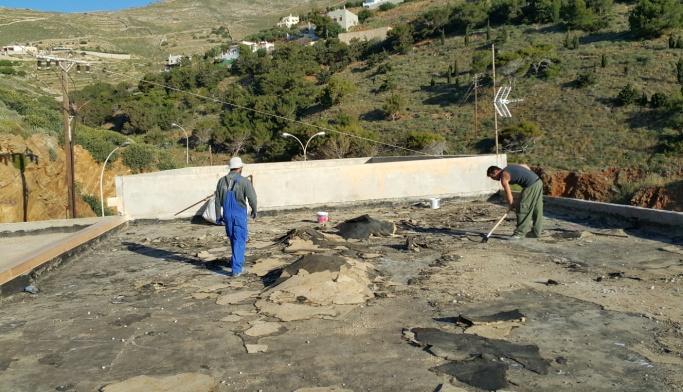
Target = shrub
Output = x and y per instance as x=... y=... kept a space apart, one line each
x=424 y=140
x=400 y=39
x=585 y=79
x=336 y=90
x=387 y=6
x=520 y=137
x=140 y=157
x=393 y=106
x=627 y=95
x=364 y=15
x=659 y=100
x=165 y=161
x=98 y=142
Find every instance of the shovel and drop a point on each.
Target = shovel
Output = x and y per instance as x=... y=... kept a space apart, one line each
x=486 y=239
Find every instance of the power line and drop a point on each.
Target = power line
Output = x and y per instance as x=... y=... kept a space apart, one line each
x=234 y=105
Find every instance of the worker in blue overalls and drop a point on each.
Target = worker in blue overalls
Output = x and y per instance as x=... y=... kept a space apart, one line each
x=232 y=193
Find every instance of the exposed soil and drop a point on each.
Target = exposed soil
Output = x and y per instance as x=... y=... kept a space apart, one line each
x=46 y=179
x=604 y=186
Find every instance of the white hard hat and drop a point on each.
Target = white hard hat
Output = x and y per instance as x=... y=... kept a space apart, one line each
x=235 y=163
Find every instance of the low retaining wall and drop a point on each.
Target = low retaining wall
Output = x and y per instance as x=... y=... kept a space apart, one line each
x=639 y=215
x=289 y=185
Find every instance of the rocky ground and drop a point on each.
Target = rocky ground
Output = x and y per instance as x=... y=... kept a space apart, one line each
x=592 y=305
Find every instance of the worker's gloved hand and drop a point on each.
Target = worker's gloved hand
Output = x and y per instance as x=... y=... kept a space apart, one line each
x=253 y=215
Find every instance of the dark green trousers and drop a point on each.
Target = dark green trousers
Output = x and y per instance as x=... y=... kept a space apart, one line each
x=530 y=210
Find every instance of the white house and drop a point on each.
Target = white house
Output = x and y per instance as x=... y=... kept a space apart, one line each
x=230 y=55
x=288 y=21
x=19 y=50
x=233 y=52
x=373 y=4
x=256 y=46
x=173 y=61
x=345 y=18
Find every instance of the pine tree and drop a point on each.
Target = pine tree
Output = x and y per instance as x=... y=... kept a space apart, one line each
x=643 y=99
x=575 y=42
x=488 y=30
x=672 y=41
x=626 y=69
x=679 y=71
x=557 y=7
x=456 y=70
x=432 y=82
x=603 y=61
x=450 y=70
x=467 y=35
x=443 y=37
x=448 y=78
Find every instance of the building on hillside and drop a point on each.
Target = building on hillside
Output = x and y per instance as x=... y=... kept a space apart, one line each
x=374 y=4
x=345 y=18
x=173 y=61
x=262 y=45
x=379 y=34
x=19 y=50
x=233 y=53
x=288 y=21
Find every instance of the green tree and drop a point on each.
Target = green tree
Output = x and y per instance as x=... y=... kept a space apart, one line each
x=425 y=141
x=400 y=38
x=679 y=71
x=627 y=95
x=393 y=106
x=651 y=18
x=336 y=90
x=603 y=61
x=364 y=15
x=140 y=157
x=556 y=9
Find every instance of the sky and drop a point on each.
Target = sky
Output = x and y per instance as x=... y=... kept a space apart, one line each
x=74 y=5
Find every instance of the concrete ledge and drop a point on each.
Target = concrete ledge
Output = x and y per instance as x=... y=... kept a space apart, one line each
x=47 y=225
x=640 y=215
x=27 y=263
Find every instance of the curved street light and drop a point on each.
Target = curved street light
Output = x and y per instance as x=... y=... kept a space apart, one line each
x=303 y=147
x=124 y=144
x=187 y=144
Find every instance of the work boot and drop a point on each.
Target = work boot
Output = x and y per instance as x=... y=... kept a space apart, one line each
x=236 y=274
x=515 y=238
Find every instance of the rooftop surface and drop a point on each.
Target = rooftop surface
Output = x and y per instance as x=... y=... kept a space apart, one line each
x=598 y=307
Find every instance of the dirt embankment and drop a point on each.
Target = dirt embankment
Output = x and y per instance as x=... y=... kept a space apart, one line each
x=46 y=179
x=607 y=185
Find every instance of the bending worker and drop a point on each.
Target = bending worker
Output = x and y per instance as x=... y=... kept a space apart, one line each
x=530 y=208
x=232 y=193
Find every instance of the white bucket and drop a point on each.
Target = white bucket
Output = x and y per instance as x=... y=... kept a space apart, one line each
x=434 y=203
x=323 y=217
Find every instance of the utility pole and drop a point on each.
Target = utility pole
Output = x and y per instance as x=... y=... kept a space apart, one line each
x=65 y=65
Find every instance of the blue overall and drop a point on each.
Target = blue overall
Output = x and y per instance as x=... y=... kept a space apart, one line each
x=235 y=218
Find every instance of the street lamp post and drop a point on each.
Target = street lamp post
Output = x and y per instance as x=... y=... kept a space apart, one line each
x=124 y=144
x=187 y=144
x=304 y=147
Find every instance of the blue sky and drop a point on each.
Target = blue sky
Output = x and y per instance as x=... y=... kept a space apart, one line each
x=74 y=5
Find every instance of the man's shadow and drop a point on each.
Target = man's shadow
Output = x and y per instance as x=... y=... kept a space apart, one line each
x=165 y=255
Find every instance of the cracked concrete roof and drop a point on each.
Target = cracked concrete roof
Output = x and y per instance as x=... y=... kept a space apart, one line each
x=600 y=301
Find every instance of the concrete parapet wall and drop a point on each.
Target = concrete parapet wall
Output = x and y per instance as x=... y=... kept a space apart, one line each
x=647 y=216
x=291 y=185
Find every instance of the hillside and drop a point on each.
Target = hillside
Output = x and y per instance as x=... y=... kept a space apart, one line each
x=601 y=116
x=151 y=32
